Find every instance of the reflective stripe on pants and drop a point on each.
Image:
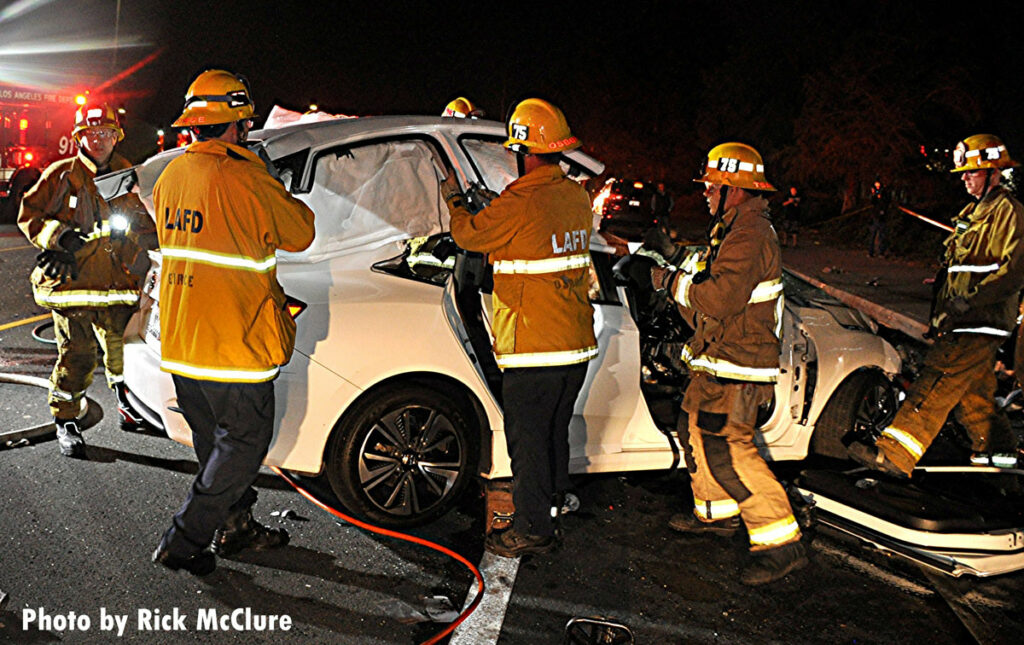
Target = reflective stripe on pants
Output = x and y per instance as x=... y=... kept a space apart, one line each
x=957 y=377
x=728 y=466
x=80 y=333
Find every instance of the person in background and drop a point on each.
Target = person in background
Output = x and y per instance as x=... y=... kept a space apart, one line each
x=661 y=206
x=90 y=269
x=878 y=227
x=790 y=218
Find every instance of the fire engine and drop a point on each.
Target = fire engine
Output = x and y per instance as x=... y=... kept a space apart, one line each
x=35 y=130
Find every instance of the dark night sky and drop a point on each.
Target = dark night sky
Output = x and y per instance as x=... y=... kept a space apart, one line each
x=630 y=75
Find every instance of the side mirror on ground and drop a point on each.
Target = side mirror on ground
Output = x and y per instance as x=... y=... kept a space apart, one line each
x=597 y=630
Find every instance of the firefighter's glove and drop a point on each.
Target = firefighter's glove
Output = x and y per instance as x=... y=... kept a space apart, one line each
x=71 y=240
x=958 y=306
x=482 y=194
x=662 y=278
x=444 y=248
x=58 y=265
x=693 y=263
x=139 y=266
x=656 y=239
x=449 y=187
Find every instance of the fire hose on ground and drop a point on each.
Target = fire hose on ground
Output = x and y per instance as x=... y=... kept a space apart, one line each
x=12 y=438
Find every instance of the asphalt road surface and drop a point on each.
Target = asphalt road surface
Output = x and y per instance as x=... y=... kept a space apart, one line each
x=76 y=538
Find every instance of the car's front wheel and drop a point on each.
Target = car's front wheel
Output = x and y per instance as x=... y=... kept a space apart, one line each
x=403 y=456
x=860 y=408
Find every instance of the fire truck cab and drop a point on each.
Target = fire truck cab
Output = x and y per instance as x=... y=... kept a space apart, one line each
x=35 y=130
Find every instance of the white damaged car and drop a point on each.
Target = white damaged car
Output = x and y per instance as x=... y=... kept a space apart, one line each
x=392 y=391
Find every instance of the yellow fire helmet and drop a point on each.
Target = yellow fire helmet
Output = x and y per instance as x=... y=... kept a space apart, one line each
x=735 y=164
x=96 y=115
x=981 y=151
x=538 y=128
x=462 y=108
x=216 y=96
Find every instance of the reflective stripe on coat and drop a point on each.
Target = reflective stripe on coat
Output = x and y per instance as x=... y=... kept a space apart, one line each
x=220 y=218
x=537 y=235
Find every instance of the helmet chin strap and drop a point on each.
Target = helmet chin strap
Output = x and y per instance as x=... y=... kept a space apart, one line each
x=988 y=183
x=520 y=164
x=723 y=196
x=716 y=217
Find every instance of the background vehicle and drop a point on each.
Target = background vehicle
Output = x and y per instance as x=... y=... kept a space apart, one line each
x=393 y=393
x=624 y=206
x=35 y=129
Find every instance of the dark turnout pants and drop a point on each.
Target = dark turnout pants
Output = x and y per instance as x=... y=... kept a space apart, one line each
x=232 y=427
x=539 y=403
x=957 y=377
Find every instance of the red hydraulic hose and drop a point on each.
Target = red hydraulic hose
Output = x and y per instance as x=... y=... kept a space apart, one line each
x=408 y=538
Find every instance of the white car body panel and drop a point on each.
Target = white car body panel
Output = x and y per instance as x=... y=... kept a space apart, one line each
x=362 y=328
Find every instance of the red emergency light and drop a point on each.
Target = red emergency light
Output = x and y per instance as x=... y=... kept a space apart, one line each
x=23 y=124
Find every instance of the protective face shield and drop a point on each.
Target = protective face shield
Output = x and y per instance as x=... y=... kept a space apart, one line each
x=216 y=96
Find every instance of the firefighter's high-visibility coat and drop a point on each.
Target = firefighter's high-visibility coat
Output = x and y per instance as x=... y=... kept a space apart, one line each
x=66 y=198
x=734 y=359
x=90 y=311
x=984 y=264
x=537 y=234
x=221 y=217
x=975 y=311
x=737 y=310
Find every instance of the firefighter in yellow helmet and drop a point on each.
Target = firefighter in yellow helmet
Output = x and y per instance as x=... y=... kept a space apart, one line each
x=734 y=302
x=462 y=108
x=537 y=236
x=89 y=271
x=973 y=312
x=224 y=330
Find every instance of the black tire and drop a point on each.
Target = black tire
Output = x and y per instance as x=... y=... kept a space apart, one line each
x=378 y=456
x=860 y=408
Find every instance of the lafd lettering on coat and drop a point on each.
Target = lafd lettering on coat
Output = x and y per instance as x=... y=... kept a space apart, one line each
x=577 y=240
x=186 y=220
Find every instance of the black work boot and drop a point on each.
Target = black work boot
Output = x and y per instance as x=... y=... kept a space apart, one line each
x=773 y=564
x=241 y=531
x=69 y=438
x=873 y=458
x=199 y=564
x=690 y=523
x=512 y=543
